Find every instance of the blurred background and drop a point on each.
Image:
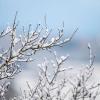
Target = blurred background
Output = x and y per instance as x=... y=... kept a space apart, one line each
x=82 y=14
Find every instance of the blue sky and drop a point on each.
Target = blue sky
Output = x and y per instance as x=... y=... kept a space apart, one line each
x=84 y=14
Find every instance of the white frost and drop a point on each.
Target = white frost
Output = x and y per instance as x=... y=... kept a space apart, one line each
x=63 y=57
x=16 y=40
x=52 y=40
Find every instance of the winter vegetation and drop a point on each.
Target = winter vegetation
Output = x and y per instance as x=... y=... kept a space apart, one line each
x=55 y=81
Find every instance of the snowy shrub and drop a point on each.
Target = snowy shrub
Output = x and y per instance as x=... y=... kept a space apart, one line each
x=50 y=86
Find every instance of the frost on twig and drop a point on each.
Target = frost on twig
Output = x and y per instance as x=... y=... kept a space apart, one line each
x=82 y=88
x=54 y=85
x=3 y=89
x=49 y=85
x=22 y=47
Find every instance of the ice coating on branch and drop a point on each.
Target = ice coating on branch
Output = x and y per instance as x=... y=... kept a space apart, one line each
x=59 y=61
x=89 y=45
x=4 y=89
x=63 y=57
x=8 y=74
x=61 y=32
x=66 y=40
